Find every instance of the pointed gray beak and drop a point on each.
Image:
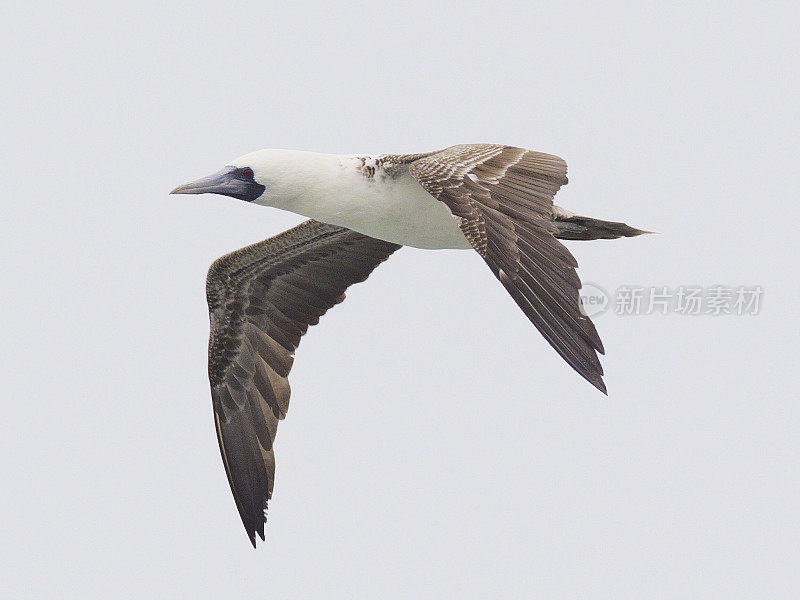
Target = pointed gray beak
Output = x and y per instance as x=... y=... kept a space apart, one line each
x=228 y=182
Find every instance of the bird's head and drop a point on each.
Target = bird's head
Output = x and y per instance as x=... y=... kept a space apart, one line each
x=245 y=178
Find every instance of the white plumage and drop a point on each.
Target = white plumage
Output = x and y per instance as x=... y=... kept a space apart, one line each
x=356 y=192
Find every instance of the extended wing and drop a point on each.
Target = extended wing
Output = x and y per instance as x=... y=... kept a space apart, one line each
x=261 y=300
x=502 y=198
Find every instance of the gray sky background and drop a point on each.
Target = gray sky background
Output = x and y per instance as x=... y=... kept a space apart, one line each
x=436 y=446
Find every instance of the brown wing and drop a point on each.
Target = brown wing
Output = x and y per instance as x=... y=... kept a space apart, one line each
x=261 y=300
x=502 y=198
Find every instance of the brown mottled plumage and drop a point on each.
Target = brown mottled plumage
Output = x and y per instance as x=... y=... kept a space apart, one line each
x=262 y=299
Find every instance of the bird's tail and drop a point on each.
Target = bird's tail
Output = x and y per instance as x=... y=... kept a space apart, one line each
x=576 y=227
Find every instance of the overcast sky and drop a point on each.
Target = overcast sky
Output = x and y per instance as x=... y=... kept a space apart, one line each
x=436 y=446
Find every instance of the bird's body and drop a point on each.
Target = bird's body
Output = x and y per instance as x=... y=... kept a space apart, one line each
x=495 y=199
x=371 y=195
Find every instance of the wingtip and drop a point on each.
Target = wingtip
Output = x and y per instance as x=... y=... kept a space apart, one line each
x=599 y=384
x=255 y=529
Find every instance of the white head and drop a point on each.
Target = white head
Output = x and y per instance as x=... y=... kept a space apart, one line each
x=256 y=177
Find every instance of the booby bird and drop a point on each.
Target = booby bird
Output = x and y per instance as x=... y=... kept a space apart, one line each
x=495 y=199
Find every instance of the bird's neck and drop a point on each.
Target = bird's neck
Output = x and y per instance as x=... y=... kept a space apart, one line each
x=318 y=186
x=334 y=189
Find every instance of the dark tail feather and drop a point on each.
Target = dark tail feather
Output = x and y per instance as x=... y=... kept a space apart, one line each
x=576 y=227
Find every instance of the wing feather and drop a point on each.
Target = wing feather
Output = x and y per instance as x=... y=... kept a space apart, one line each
x=502 y=198
x=262 y=299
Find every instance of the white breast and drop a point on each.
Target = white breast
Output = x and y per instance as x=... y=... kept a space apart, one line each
x=395 y=209
x=400 y=210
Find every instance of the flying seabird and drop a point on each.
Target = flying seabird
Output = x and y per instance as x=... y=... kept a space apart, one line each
x=495 y=199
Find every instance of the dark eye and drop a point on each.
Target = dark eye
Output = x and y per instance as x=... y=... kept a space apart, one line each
x=247 y=173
